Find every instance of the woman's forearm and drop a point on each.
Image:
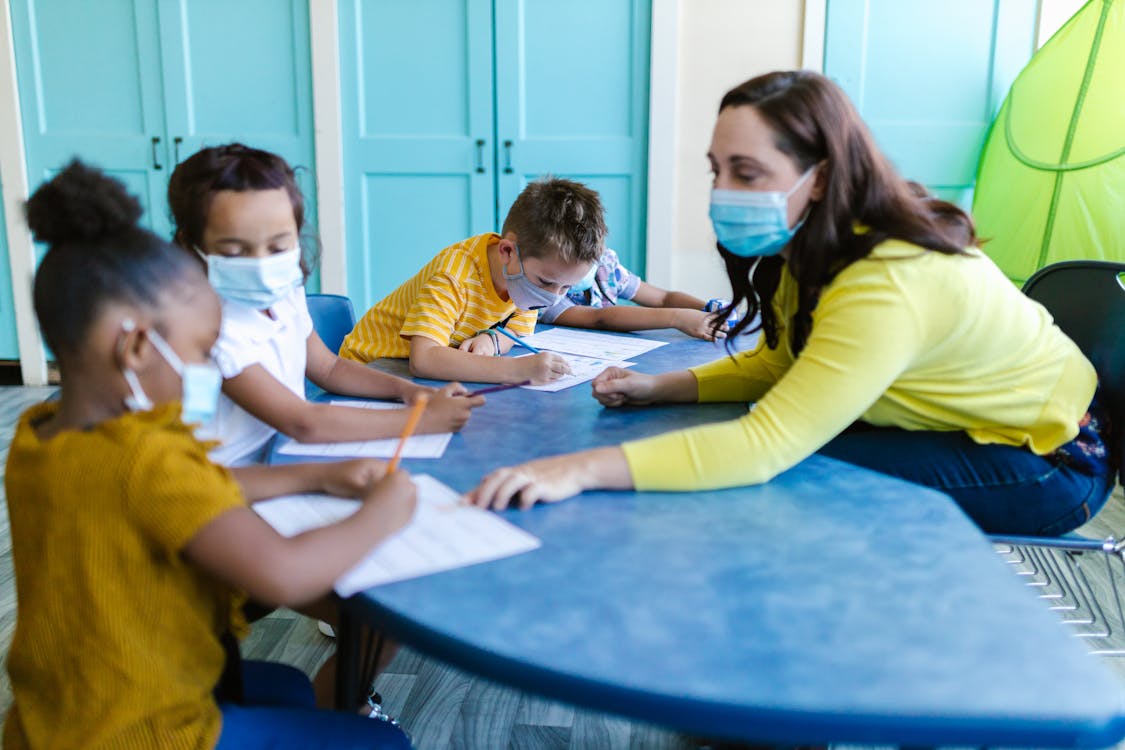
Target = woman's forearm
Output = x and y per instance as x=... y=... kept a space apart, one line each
x=678 y=387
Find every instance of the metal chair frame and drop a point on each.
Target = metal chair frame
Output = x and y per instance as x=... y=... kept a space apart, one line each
x=1061 y=571
x=1086 y=299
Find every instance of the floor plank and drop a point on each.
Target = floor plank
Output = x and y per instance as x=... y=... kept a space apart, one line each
x=532 y=737
x=486 y=718
x=434 y=704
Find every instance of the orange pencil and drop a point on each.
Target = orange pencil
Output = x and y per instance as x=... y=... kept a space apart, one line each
x=408 y=428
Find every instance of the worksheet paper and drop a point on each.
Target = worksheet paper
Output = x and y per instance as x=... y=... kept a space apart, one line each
x=443 y=534
x=582 y=369
x=417 y=446
x=596 y=345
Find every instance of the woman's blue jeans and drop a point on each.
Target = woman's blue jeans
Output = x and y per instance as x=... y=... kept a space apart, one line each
x=1004 y=489
x=279 y=712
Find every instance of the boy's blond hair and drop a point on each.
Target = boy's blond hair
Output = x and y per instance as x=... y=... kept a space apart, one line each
x=559 y=217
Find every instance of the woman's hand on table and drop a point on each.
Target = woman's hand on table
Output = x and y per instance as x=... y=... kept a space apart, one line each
x=548 y=480
x=616 y=386
x=545 y=480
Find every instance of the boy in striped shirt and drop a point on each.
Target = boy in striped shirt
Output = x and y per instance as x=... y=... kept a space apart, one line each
x=444 y=318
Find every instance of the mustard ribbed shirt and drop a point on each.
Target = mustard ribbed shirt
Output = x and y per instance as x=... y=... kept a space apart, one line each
x=117 y=636
x=907 y=338
x=451 y=299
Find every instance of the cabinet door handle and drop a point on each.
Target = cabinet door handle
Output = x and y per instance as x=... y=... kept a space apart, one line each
x=508 y=157
x=156 y=154
x=176 y=148
x=480 y=156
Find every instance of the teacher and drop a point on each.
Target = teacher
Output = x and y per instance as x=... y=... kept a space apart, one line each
x=889 y=340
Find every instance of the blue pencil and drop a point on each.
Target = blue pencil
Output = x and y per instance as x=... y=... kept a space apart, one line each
x=517 y=339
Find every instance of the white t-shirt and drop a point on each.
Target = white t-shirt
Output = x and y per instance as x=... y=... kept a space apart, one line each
x=279 y=345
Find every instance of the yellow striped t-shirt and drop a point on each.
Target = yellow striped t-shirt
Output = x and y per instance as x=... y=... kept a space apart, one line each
x=451 y=299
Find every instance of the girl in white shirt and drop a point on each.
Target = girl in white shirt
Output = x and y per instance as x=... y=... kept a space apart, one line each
x=241 y=211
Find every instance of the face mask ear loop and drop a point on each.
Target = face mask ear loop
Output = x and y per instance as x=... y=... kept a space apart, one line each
x=808 y=209
x=754 y=268
x=801 y=181
x=165 y=350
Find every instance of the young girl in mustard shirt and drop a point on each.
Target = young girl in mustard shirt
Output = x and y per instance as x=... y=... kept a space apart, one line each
x=889 y=339
x=133 y=552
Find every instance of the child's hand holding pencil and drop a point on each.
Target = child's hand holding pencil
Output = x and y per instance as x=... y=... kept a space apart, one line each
x=544 y=367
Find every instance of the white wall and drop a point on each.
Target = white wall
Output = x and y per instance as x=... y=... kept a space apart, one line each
x=1053 y=14
x=721 y=43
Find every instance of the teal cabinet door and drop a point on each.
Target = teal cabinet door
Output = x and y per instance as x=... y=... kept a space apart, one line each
x=929 y=78
x=9 y=344
x=572 y=85
x=89 y=86
x=417 y=114
x=240 y=71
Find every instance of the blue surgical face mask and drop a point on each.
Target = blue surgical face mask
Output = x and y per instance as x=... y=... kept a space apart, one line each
x=201 y=383
x=525 y=294
x=258 y=282
x=751 y=223
x=587 y=280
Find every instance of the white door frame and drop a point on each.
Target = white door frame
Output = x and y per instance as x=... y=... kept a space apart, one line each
x=812 y=36
x=663 y=140
x=13 y=175
x=328 y=144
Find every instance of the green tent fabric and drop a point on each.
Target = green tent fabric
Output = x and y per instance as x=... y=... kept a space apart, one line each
x=1051 y=180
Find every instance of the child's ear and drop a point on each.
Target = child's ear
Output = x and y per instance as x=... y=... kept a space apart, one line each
x=132 y=346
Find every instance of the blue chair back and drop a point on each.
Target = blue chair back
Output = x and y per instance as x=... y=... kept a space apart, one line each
x=1087 y=300
x=333 y=318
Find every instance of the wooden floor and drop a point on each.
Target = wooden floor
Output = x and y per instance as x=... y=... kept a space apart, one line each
x=441 y=707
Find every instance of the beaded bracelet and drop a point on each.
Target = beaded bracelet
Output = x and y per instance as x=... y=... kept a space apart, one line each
x=495 y=340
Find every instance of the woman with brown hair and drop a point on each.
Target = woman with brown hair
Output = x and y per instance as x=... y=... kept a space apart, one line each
x=888 y=339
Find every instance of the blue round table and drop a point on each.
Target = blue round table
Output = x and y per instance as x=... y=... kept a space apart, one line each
x=831 y=604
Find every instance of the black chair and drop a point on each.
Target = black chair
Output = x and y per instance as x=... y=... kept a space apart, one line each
x=333 y=318
x=1087 y=300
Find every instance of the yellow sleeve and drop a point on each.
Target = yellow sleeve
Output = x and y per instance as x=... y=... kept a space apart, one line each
x=523 y=322
x=436 y=309
x=864 y=336
x=174 y=491
x=744 y=377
